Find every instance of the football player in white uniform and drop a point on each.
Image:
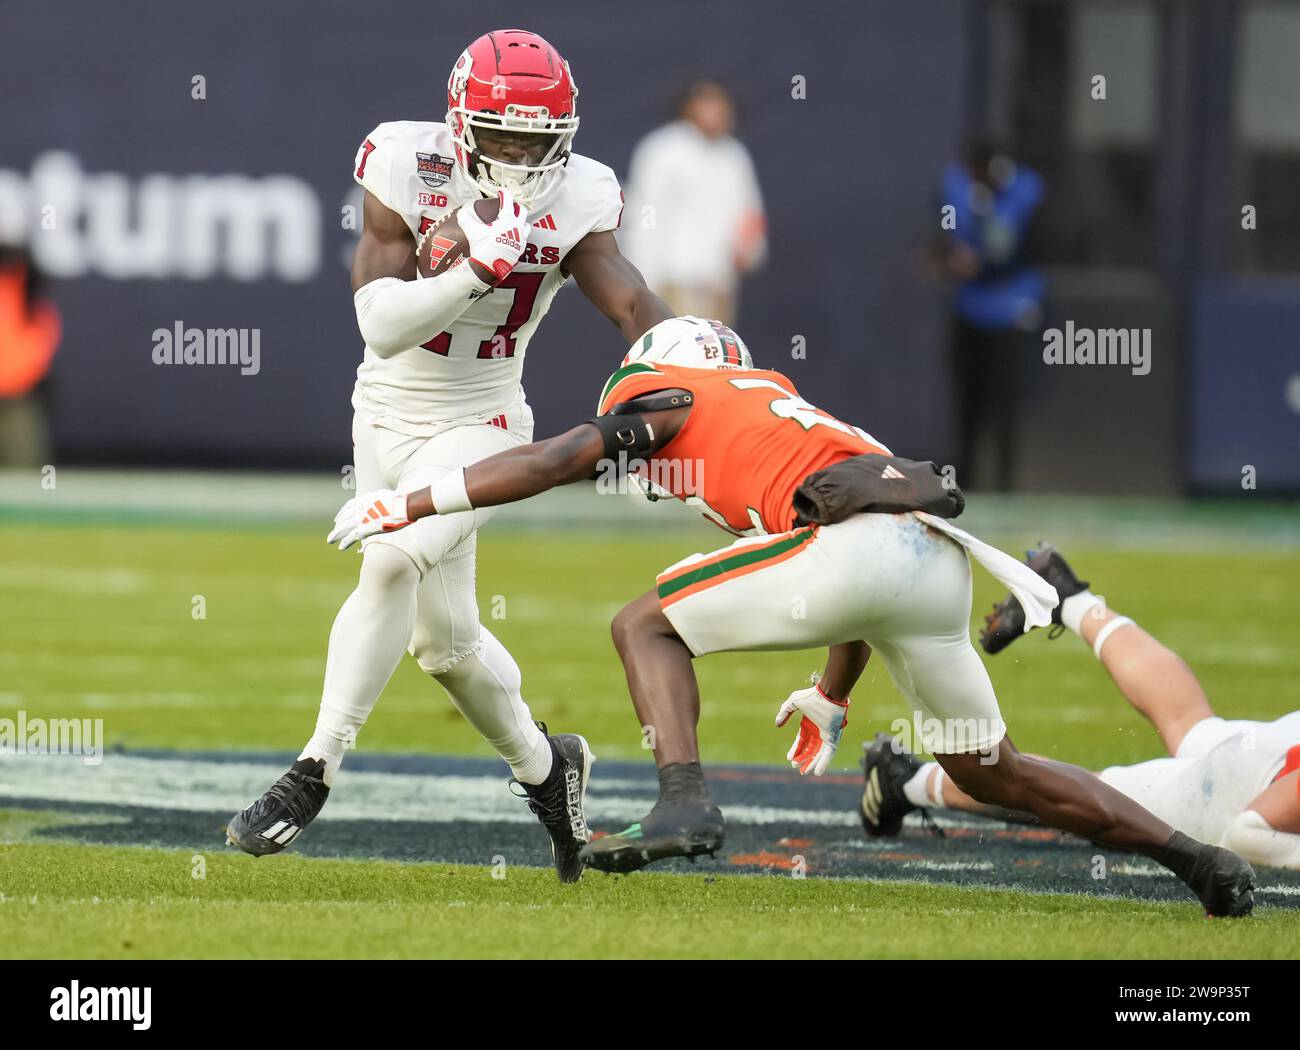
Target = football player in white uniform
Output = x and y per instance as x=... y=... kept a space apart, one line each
x=440 y=388
x=1231 y=782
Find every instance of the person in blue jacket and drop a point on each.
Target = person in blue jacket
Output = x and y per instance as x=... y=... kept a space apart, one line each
x=989 y=203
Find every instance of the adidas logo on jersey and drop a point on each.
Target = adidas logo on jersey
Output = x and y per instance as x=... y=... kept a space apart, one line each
x=546 y=222
x=892 y=471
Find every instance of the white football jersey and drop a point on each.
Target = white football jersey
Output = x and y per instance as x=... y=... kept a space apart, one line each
x=476 y=366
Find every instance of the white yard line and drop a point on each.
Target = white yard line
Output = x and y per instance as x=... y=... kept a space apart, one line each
x=198 y=786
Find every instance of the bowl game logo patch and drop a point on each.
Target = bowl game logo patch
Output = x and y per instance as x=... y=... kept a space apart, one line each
x=433 y=169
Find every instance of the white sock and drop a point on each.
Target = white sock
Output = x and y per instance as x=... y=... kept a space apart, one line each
x=366 y=644
x=1075 y=607
x=485 y=689
x=916 y=790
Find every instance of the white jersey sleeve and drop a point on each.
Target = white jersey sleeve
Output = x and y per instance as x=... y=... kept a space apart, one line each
x=607 y=198
x=373 y=167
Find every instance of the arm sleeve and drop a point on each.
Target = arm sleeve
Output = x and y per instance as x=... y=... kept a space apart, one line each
x=396 y=315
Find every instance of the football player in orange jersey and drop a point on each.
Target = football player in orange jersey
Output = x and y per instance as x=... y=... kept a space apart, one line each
x=736 y=441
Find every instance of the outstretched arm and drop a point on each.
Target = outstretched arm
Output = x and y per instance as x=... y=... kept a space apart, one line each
x=507 y=477
x=527 y=470
x=614 y=285
x=524 y=471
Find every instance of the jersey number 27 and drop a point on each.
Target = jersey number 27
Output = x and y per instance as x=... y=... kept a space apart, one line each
x=502 y=343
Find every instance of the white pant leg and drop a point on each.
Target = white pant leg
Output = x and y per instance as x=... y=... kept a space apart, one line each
x=447 y=640
x=1157 y=786
x=382 y=616
x=886 y=579
x=485 y=687
x=370 y=630
x=443 y=547
x=1210 y=732
x=410 y=463
x=446 y=610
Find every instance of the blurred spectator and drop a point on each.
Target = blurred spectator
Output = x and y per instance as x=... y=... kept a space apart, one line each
x=29 y=334
x=696 y=214
x=997 y=299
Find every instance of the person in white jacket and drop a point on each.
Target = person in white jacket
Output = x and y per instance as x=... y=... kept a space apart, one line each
x=695 y=223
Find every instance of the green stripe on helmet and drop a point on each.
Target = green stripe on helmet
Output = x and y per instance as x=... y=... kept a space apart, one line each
x=635 y=368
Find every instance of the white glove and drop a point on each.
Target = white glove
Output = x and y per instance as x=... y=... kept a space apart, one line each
x=820 y=727
x=496 y=245
x=380 y=511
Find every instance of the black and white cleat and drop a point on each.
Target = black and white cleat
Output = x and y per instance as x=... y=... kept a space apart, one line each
x=559 y=802
x=1006 y=622
x=277 y=818
x=886 y=767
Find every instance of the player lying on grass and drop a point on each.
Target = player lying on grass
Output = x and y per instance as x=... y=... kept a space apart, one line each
x=896 y=584
x=1236 y=783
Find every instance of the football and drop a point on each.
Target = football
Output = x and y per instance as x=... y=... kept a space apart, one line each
x=444 y=244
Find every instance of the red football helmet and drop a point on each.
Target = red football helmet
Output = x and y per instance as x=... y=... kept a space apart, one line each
x=512 y=80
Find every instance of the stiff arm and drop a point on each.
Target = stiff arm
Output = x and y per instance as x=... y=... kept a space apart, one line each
x=528 y=470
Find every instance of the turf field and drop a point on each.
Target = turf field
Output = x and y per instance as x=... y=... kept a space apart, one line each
x=206 y=635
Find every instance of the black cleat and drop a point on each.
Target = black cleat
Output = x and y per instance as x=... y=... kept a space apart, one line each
x=558 y=802
x=685 y=828
x=887 y=767
x=1224 y=883
x=278 y=817
x=1006 y=622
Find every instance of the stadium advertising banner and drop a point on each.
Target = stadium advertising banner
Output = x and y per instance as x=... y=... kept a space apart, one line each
x=186 y=185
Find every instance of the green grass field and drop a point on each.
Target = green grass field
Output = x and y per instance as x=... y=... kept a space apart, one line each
x=142 y=903
x=99 y=620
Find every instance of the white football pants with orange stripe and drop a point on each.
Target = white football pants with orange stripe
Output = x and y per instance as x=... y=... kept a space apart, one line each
x=888 y=580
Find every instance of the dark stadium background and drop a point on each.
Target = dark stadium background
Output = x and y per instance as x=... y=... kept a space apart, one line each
x=1143 y=226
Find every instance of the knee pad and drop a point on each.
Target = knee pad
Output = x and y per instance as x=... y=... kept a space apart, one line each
x=437 y=659
x=384 y=567
x=446 y=614
x=487 y=657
